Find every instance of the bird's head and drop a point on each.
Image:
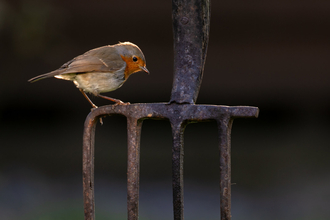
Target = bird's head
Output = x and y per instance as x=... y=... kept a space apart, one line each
x=133 y=56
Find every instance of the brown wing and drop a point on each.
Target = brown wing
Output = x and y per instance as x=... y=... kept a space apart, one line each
x=103 y=59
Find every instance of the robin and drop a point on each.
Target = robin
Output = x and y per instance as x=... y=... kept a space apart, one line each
x=102 y=69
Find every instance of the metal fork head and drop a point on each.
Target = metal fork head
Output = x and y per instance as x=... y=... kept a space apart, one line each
x=179 y=116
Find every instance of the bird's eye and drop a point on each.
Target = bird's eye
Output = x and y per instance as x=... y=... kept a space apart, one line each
x=135 y=59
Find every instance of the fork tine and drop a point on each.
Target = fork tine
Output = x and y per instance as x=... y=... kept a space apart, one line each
x=133 y=167
x=224 y=134
x=88 y=166
x=177 y=168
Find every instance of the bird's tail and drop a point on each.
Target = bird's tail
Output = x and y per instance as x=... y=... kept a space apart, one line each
x=44 y=76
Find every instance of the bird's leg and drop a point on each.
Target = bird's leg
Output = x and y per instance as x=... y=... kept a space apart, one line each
x=117 y=101
x=88 y=99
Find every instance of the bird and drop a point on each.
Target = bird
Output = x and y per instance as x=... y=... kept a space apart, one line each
x=100 y=70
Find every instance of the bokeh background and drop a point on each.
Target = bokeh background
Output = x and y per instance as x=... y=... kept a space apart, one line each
x=269 y=54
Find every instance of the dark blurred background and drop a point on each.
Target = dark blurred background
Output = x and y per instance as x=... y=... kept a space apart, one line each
x=269 y=54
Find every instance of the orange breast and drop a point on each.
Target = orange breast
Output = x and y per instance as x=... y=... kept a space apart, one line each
x=131 y=66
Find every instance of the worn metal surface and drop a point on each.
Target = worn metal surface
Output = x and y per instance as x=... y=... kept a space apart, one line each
x=191 y=23
x=191 y=20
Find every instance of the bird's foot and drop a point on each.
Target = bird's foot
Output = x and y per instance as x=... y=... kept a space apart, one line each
x=94 y=107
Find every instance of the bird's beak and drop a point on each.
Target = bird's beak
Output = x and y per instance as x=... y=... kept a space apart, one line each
x=144 y=69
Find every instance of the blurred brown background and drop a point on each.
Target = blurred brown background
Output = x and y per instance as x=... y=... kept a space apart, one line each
x=269 y=54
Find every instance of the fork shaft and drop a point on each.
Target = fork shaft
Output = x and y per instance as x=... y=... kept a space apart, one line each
x=224 y=133
x=191 y=23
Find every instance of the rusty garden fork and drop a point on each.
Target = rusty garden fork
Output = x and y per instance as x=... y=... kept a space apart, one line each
x=191 y=21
